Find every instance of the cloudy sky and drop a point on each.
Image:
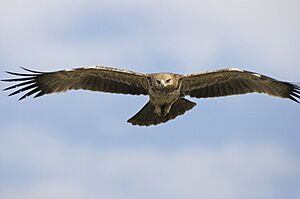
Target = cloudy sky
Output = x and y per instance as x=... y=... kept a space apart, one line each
x=78 y=144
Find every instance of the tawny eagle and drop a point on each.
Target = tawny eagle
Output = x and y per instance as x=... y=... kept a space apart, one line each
x=166 y=91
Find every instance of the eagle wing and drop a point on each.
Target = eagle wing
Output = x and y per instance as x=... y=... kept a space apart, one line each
x=233 y=81
x=96 y=78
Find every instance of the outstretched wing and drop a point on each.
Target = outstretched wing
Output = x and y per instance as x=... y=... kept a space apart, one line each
x=234 y=81
x=96 y=78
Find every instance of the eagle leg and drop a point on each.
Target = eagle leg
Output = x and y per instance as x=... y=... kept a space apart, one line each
x=162 y=110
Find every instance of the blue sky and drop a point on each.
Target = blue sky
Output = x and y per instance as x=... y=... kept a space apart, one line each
x=78 y=144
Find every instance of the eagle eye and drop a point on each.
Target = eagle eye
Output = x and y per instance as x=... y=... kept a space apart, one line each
x=168 y=80
x=157 y=81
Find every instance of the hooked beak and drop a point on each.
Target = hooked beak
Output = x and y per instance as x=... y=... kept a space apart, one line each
x=163 y=84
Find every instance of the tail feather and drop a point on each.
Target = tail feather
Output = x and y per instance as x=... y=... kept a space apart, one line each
x=146 y=116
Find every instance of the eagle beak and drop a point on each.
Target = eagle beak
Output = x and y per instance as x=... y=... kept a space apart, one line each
x=163 y=83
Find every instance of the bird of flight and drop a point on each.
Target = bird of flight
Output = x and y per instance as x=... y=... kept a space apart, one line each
x=166 y=91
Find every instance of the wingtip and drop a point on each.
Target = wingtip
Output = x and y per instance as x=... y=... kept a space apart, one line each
x=39 y=94
x=7 y=88
x=294 y=99
x=294 y=93
x=29 y=70
x=295 y=96
x=11 y=94
x=23 y=97
x=5 y=80
x=20 y=74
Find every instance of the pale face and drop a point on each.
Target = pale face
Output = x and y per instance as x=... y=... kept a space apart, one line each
x=164 y=81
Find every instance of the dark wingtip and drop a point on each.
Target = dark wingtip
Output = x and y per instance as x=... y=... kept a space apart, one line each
x=18 y=85
x=32 y=71
x=28 y=83
x=6 y=80
x=35 y=90
x=39 y=94
x=294 y=99
x=18 y=79
x=23 y=97
x=295 y=93
x=19 y=74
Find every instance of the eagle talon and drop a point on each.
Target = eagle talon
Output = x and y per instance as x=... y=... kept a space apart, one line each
x=157 y=110
x=162 y=110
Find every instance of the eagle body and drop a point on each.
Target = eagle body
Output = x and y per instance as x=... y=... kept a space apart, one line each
x=163 y=91
x=166 y=91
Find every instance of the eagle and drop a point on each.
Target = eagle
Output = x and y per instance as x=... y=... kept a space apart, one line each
x=166 y=91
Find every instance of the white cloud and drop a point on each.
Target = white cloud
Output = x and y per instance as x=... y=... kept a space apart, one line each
x=257 y=35
x=61 y=170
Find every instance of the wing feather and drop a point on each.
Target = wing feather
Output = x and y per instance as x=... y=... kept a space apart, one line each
x=96 y=78
x=235 y=81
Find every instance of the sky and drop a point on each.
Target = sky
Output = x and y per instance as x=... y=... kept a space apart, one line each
x=78 y=145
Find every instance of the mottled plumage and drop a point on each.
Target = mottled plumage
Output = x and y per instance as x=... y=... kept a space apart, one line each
x=166 y=91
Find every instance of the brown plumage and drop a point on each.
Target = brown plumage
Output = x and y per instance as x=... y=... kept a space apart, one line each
x=165 y=90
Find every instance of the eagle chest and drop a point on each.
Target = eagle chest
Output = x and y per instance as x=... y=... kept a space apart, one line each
x=162 y=98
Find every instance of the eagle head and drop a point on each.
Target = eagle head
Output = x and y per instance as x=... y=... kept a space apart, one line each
x=164 y=81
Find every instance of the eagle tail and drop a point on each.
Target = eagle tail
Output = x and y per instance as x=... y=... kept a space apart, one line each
x=146 y=116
